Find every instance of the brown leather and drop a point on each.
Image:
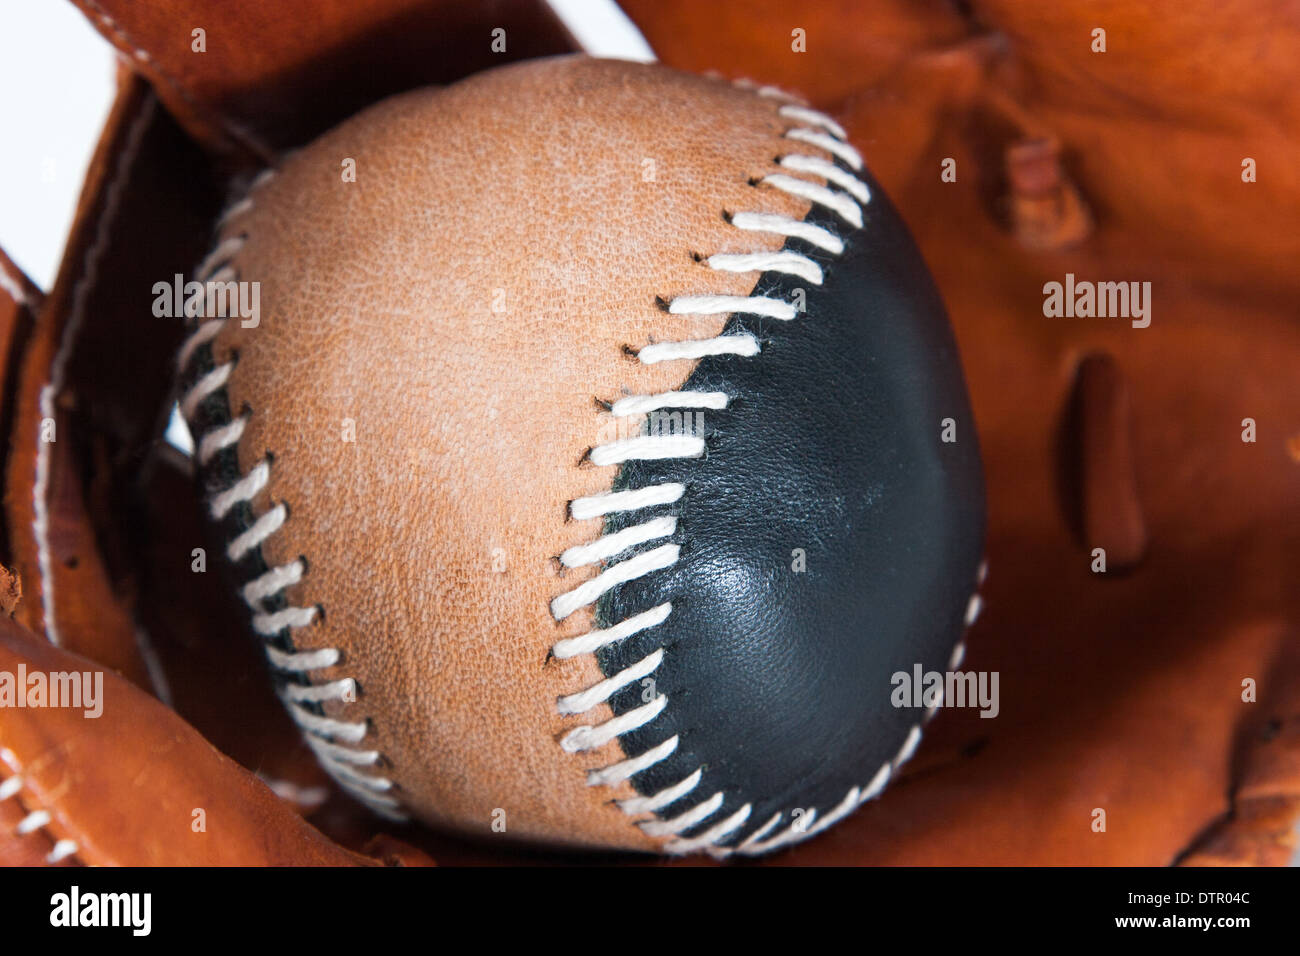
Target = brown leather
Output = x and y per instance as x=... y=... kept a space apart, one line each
x=20 y=300
x=126 y=785
x=193 y=625
x=116 y=360
x=1097 y=464
x=76 y=563
x=850 y=46
x=394 y=852
x=274 y=75
x=1120 y=693
x=471 y=425
x=1261 y=830
x=1124 y=694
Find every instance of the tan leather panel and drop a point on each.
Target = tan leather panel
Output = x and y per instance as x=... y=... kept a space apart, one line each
x=466 y=302
x=127 y=786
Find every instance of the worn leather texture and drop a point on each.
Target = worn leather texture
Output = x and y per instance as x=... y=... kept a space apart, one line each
x=88 y=772
x=780 y=663
x=1121 y=693
x=473 y=374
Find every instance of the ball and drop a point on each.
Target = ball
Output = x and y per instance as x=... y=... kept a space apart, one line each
x=598 y=456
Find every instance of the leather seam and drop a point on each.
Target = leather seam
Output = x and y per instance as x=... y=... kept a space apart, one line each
x=34 y=821
x=843 y=194
x=67 y=342
x=230 y=496
x=15 y=287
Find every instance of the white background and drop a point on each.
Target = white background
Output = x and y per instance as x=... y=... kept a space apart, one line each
x=56 y=86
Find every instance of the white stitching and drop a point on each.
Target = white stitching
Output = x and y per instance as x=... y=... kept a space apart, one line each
x=616 y=773
x=606 y=546
x=34 y=820
x=17 y=291
x=711 y=836
x=204 y=333
x=303 y=660
x=328 y=737
x=727 y=304
x=211 y=382
x=645 y=447
x=823 y=132
x=743 y=345
x=327 y=728
x=842 y=204
x=837 y=148
x=634 y=567
x=67 y=342
x=813 y=118
x=583 y=701
x=348 y=755
x=245 y=489
x=257 y=532
x=344 y=689
x=828 y=171
x=269 y=625
x=593 y=737
x=637 y=805
x=272 y=582
x=642 y=404
x=783 y=261
x=685 y=820
x=218 y=438
x=594 y=640
x=785 y=226
x=594 y=506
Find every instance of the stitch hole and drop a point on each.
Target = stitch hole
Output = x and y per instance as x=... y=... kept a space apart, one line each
x=661 y=303
x=698 y=256
x=602 y=404
x=754 y=181
x=629 y=352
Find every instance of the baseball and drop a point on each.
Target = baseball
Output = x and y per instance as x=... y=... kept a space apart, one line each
x=599 y=454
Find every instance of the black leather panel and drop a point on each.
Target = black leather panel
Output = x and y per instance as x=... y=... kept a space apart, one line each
x=778 y=681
